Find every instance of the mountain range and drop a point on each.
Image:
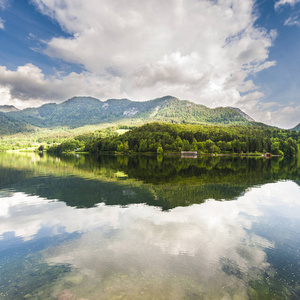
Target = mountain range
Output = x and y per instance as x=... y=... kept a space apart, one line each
x=80 y=111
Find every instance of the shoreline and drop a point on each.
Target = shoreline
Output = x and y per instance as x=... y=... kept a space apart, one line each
x=185 y=155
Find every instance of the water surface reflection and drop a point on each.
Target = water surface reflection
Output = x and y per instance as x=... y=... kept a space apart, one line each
x=241 y=249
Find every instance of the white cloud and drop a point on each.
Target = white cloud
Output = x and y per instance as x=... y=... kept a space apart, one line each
x=286 y=117
x=292 y=21
x=3 y=5
x=197 y=50
x=1 y=24
x=284 y=2
x=283 y=116
x=28 y=86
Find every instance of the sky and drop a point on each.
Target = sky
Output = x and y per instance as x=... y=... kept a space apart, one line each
x=241 y=53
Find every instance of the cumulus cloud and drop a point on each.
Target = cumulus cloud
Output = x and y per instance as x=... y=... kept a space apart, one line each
x=284 y=2
x=28 y=86
x=283 y=116
x=197 y=50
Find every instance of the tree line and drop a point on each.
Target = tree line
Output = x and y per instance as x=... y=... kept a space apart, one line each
x=166 y=137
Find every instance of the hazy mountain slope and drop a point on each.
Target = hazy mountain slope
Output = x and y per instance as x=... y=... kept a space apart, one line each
x=80 y=111
x=64 y=114
x=180 y=111
x=9 y=125
x=247 y=117
x=7 y=108
x=75 y=112
x=296 y=128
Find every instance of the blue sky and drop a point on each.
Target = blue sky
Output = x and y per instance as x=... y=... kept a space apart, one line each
x=216 y=53
x=281 y=84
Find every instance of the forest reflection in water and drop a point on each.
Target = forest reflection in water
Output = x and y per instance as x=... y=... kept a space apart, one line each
x=120 y=180
x=130 y=227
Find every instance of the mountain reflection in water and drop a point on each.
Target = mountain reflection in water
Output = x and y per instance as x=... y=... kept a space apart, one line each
x=122 y=180
x=141 y=227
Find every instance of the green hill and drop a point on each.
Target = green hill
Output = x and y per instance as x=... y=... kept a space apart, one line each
x=160 y=137
x=80 y=111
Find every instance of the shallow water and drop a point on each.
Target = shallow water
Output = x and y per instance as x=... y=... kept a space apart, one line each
x=147 y=228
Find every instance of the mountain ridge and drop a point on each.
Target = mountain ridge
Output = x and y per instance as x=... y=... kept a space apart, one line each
x=8 y=108
x=80 y=111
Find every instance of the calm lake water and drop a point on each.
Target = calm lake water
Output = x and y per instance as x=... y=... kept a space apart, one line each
x=114 y=227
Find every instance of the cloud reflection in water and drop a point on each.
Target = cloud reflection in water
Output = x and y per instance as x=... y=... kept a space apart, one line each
x=200 y=249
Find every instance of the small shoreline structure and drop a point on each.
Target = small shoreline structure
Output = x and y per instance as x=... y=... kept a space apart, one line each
x=188 y=154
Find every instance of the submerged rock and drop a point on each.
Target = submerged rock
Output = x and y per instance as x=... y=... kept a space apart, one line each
x=68 y=295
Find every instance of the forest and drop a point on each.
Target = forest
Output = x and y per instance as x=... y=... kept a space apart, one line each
x=172 y=138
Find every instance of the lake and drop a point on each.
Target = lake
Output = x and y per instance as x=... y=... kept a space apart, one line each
x=139 y=227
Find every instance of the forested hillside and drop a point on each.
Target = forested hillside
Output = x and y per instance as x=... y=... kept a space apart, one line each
x=161 y=137
x=80 y=111
x=9 y=125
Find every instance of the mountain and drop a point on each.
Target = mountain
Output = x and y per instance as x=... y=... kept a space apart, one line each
x=9 y=125
x=80 y=111
x=296 y=128
x=7 y=108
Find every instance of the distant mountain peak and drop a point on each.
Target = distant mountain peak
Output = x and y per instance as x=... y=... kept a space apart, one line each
x=168 y=97
x=8 y=108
